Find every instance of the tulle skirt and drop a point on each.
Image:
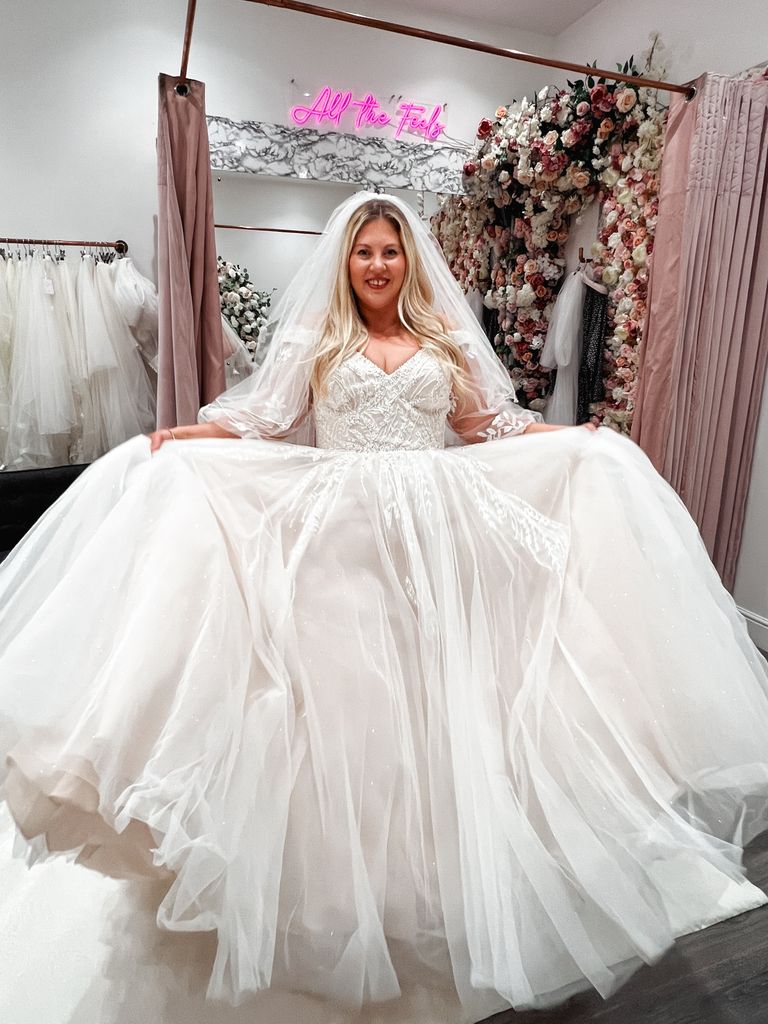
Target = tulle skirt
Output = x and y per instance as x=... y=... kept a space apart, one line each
x=401 y=733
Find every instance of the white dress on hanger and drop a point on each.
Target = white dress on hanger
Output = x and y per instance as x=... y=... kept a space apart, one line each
x=6 y=322
x=136 y=298
x=120 y=390
x=43 y=416
x=384 y=721
x=83 y=446
x=562 y=349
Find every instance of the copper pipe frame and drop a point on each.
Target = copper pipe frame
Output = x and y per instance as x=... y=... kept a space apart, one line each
x=119 y=246
x=468 y=44
x=281 y=231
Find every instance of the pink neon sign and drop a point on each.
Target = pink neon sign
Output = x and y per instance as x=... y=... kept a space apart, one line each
x=329 y=106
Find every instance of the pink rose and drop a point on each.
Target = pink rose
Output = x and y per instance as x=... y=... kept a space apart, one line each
x=578 y=177
x=625 y=100
x=582 y=109
x=484 y=128
x=605 y=129
x=470 y=168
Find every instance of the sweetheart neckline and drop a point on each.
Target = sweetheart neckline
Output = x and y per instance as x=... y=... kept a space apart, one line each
x=396 y=370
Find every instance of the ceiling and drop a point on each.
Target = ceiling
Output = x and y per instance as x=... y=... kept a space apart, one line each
x=549 y=17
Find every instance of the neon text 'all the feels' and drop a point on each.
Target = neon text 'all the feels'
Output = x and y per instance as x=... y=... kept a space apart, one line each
x=330 y=106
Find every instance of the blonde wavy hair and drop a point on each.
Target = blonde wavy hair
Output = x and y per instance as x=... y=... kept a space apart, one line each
x=344 y=331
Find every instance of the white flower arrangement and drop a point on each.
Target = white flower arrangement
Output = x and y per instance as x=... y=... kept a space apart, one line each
x=245 y=308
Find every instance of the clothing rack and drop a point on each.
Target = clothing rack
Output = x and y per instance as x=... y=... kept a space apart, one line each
x=282 y=231
x=687 y=89
x=581 y=256
x=119 y=246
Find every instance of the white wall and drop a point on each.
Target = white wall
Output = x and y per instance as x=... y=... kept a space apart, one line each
x=707 y=35
x=699 y=35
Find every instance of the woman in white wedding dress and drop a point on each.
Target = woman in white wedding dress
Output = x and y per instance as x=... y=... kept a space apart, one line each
x=402 y=731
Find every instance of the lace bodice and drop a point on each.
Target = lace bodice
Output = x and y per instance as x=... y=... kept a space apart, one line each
x=366 y=409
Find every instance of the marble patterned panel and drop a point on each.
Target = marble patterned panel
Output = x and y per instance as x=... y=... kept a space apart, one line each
x=378 y=163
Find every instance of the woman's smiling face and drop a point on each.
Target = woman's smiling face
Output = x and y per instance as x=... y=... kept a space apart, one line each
x=377 y=265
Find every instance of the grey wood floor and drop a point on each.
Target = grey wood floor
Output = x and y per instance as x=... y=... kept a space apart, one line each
x=716 y=976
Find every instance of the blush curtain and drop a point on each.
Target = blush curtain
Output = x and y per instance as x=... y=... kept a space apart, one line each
x=703 y=363
x=190 y=343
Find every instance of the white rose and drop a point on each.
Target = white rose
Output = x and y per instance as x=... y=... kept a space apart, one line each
x=610 y=176
x=640 y=255
x=488 y=163
x=550 y=138
x=610 y=276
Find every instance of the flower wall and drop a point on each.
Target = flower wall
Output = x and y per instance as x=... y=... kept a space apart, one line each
x=538 y=164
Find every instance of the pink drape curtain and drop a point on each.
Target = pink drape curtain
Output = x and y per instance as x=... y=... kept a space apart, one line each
x=190 y=341
x=703 y=363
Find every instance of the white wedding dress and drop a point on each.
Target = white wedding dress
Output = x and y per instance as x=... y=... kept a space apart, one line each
x=405 y=733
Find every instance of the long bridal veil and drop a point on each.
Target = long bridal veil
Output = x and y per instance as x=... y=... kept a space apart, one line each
x=274 y=400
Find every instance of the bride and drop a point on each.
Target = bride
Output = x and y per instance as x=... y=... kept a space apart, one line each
x=404 y=726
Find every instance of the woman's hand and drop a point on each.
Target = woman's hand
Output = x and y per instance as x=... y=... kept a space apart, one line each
x=157 y=437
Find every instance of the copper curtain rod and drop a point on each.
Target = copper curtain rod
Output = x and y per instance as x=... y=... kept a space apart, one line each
x=438 y=37
x=191 y=8
x=282 y=231
x=119 y=246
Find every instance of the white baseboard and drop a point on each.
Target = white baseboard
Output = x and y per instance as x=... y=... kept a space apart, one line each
x=758 y=628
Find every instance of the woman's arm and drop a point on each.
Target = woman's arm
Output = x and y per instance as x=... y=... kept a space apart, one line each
x=186 y=433
x=474 y=423
x=541 y=428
